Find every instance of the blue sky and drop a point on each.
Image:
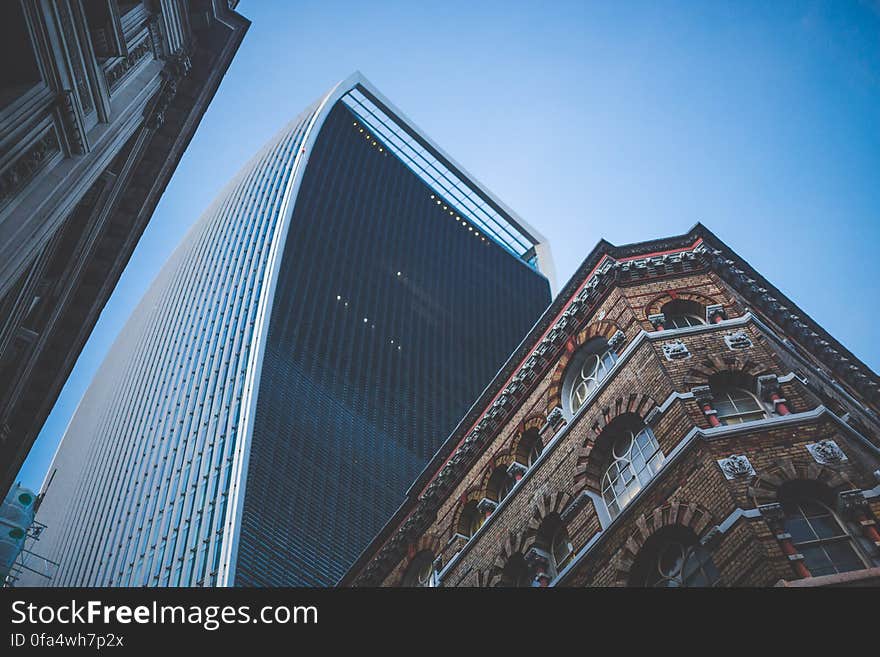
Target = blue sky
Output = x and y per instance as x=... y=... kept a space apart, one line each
x=622 y=120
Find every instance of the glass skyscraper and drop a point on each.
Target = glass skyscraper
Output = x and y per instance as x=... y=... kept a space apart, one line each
x=295 y=364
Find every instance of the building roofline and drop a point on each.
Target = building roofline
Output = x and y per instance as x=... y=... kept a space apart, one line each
x=603 y=249
x=357 y=80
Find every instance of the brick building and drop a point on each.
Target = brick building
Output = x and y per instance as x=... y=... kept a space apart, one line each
x=671 y=420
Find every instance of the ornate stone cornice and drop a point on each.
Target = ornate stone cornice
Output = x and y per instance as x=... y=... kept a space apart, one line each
x=758 y=292
x=604 y=268
x=115 y=73
x=28 y=165
x=177 y=67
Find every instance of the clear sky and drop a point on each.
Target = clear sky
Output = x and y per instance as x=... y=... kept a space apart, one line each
x=623 y=120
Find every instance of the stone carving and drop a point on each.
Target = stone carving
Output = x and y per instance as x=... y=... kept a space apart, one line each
x=23 y=170
x=713 y=311
x=72 y=126
x=617 y=340
x=767 y=385
x=703 y=394
x=175 y=70
x=117 y=71
x=676 y=350
x=736 y=466
x=486 y=505
x=827 y=452
x=656 y=320
x=851 y=501
x=555 y=417
x=738 y=340
x=73 y=51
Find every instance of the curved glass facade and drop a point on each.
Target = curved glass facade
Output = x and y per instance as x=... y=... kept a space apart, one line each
x=296 y=363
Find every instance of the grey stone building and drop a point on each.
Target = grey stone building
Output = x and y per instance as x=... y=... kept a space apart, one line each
x=98 y=101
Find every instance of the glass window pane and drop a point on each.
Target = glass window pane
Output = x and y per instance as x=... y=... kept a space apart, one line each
x=825 y=526
x=844 y=557
x=657 y=462
x=799 y=529
x=816 y=561
x=638 y=461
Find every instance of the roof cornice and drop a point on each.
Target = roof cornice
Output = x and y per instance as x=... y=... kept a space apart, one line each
x=605 y=267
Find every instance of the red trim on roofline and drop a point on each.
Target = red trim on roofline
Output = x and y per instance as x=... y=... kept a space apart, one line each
x=544 y=334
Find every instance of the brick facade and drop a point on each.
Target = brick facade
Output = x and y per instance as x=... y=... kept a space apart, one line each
x=555 y=527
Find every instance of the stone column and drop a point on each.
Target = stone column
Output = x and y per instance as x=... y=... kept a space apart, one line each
x=774 y=515
x=715 y=314
x=853 y=505
x=768 y=390
x=539 y=563
x=487 y=507
x=516 y=470
x=555 y=423
x=703 y=395
x=657 y=321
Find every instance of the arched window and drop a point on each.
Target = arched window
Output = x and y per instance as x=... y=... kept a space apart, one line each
x=736 y=405
x=681 y=313
x=634 y=459
x=470 y=520
x=499 y=484
x=515 y=573
x=529 y=448
x=588 y=368
x=420 y=572
x=554 y=544
x=817 y=532
x=733 y=401
x=673 y=557
x=561 y=548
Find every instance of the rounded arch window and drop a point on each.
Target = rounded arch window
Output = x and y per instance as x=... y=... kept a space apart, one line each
x=561 y=548
x=674 y=558
x=470 y=520
x=681 y=313
x=634 y=459
x=590 y=366
x=420 y=572
x=817 y=532
x=515 y=573
x=529 y=448
x=499 y=484
x=737 y=405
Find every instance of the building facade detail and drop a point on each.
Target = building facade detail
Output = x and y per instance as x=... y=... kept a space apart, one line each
x=83 y=163
x=676 y=350
x=710 y=456
x=826 y=452
x=738 y=340
x=735 y=466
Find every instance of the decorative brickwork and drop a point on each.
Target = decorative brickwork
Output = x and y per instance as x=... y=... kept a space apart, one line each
x=588 y=471
x=716 y=485
x=602 y=328
x=765 y=486
x=655 y=306
x=684 y=514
